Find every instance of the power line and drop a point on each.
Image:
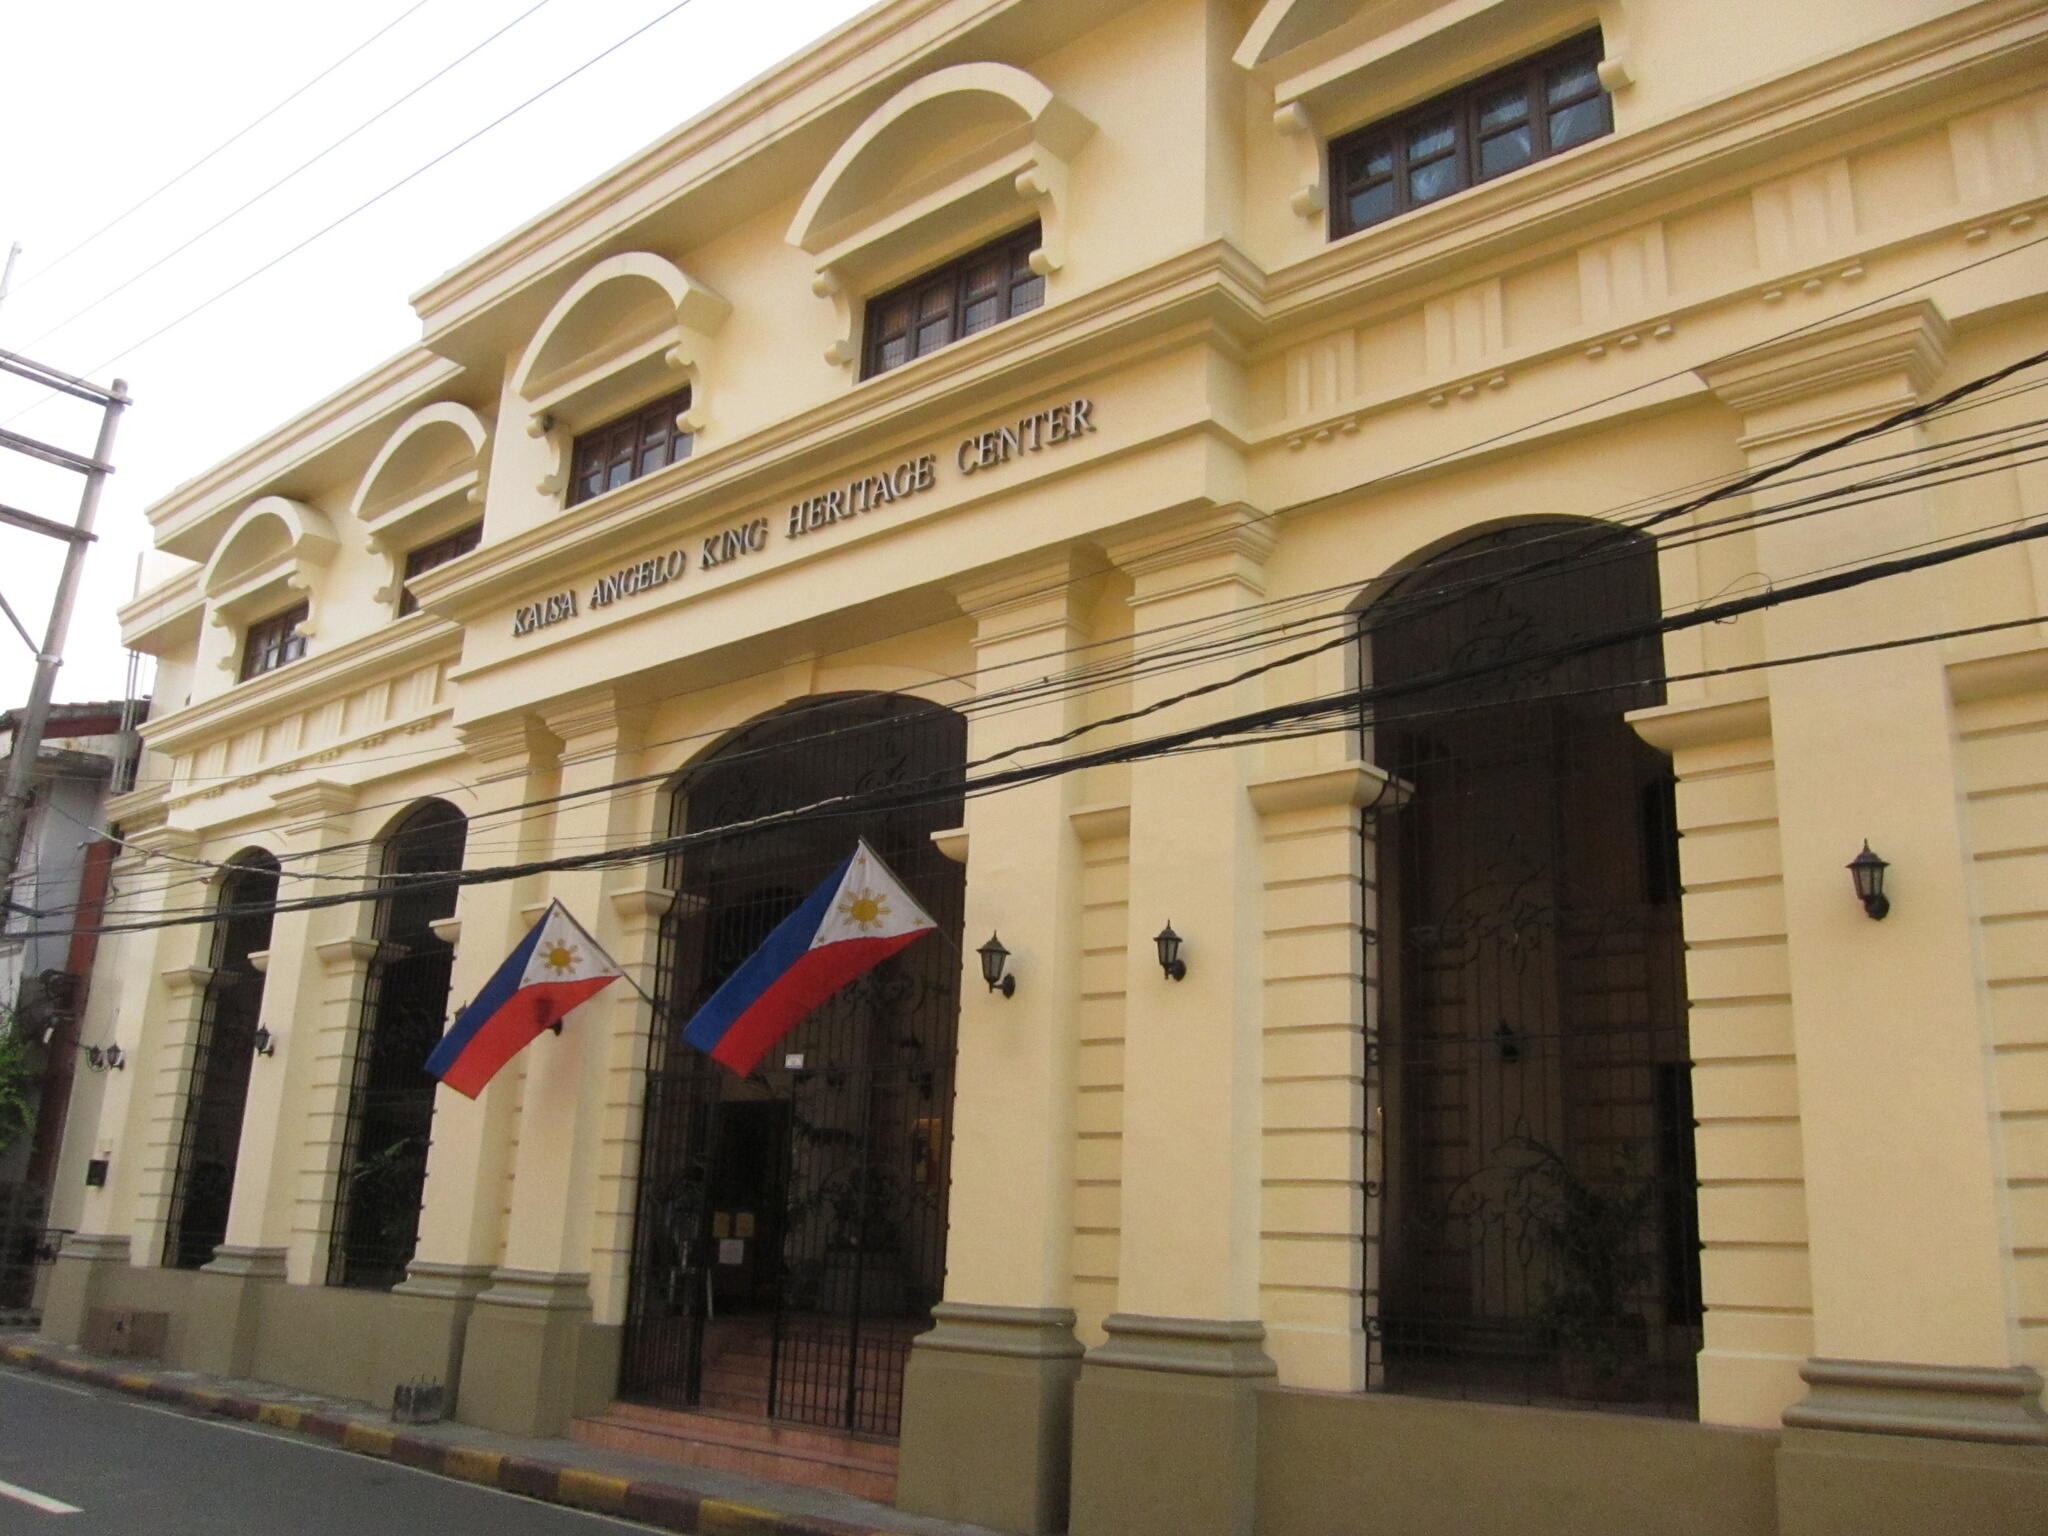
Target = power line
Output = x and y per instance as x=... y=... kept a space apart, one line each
x=234 y=138
x=243 y=207
x=1350 y=703
x=1383 y=612
x=403 y=181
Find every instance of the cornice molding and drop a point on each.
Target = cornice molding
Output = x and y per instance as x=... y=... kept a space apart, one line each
x=1211 y=290
x=1908 y=342
x=1348 y=785
x=875 y=53
x=508 y=738
x=1713 y=723
x=181 y=519
x=345 y=954
x=1930 y=66
x=351 y=664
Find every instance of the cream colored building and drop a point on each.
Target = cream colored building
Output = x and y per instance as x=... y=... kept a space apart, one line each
x=1541 y=1136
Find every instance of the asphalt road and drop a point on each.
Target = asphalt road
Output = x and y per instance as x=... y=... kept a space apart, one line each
x=76 y=1461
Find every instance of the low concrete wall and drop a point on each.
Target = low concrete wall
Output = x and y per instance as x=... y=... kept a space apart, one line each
x=148 y=1290
x=325 y=1339
x=1331 y=1465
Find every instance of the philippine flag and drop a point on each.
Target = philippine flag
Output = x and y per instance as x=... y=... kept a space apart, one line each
x=857 y=919
x=551 y=970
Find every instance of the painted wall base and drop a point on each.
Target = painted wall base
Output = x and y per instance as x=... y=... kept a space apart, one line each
x=1838 y=1483
x=988 y=1417
x=223 y=1319
x=1165 y=1428
x=78 y=1283
x=1944 y=1402
x=532 y=1359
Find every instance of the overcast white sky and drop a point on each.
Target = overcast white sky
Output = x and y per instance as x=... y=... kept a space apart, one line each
x=104 y=103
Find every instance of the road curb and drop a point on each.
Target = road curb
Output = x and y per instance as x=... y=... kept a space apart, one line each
x=667 y=1506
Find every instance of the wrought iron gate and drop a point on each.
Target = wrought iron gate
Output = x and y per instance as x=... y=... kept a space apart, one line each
x=1532 y=1226
x=790 y=1228
x=211 y=1133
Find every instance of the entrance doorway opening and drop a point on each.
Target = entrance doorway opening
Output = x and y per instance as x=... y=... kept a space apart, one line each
x=1532 y=1227
x=790 y=1228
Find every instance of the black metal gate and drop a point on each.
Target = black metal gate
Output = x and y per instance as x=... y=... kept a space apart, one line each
x=391 y=1100
x=211 y=1134
x=790 y=1230
x=1531 y=1187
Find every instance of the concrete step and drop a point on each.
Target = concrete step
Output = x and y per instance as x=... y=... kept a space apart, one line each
x=809 y=1458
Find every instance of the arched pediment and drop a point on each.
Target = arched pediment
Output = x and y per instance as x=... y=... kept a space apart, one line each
x=966 y=151
x=1284 y=25
x=948 y=120
x=625 y=310
x=273 y=538
x=434 y=453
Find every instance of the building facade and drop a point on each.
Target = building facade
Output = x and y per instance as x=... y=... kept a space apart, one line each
x=1463 y=517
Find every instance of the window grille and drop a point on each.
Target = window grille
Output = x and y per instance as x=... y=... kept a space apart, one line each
x=432 y=556
x=1540 y=107
x=391 y=1097
x=628 y=447
x=274 y=642
x=971 y=294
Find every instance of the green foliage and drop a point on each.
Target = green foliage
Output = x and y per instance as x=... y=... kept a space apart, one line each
x=20 y=1078
x=1598 y=1237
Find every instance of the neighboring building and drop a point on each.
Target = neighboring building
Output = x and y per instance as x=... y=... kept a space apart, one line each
x=87 y=754
x=1012 y=382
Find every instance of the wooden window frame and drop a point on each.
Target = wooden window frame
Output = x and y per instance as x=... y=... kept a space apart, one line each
x=1349 y=152
x=274 y=642
x=431 y=556
x=641 y=441
x=1018 y=289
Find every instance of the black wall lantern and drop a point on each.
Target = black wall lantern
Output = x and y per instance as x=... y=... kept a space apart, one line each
x=266 y=1045
x=1169 y=954
x=102 y=1058
x=994 y=959
x=1867 y=870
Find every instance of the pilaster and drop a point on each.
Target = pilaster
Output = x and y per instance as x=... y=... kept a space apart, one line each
x=275 y=1137
x=1170 y=1391
x=468 y=1161
x=532 y=1359
x=986 y=1415
x=1903 y=1195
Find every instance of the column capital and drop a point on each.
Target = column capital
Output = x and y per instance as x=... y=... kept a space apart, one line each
x=1783 y=386
x=599 y=716
x=1024 y=599
x=1218 y=544
x=313 y=809
x=507 y=739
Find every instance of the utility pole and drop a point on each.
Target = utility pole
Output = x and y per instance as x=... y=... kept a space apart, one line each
x=28 y=735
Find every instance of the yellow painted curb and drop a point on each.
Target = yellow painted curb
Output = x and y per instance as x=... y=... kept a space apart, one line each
x=20 y=1354
x=473 y=1465
x=135 y=1383
x=368 y=1438
x=595 y=1490
x=203 y=1398
x=715 y=1517
x=280 y=1415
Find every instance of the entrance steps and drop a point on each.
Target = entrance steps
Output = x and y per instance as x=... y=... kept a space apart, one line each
x=810 y=1458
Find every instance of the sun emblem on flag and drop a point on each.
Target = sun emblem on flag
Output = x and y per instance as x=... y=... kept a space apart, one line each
x=563 y=957
x=864 y=909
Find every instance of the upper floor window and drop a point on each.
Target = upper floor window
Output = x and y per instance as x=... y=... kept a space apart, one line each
x=428 y=556
x=964 y=296
x=1540 y=107
x=272 y=642
x=633 y=445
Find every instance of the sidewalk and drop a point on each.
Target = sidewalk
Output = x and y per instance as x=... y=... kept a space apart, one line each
x=697 y=1501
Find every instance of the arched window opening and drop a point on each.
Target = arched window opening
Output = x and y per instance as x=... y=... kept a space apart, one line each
x=391 y=1099
x=1532 y=1229
x=212 y=1131
x=790 y=1230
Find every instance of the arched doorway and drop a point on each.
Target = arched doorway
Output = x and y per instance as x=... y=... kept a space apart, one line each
x=790 y=1230
x=391 y=1097
x=1532 y=1224
x=210 y=1134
